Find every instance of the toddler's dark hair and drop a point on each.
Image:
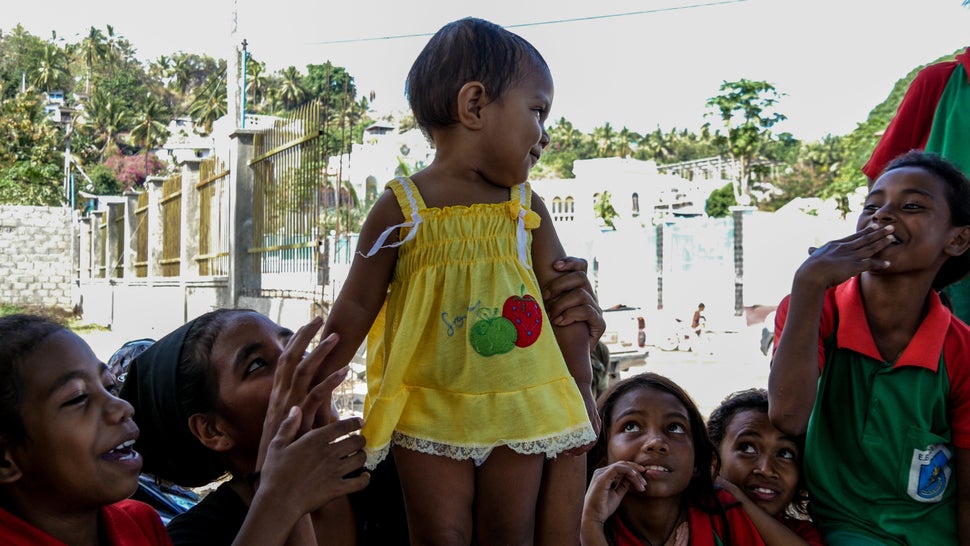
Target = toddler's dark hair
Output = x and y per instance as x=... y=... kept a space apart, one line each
x=20 y=335
x=755 y=400
x=700 y=491
x=957 y=198
x=463 y=51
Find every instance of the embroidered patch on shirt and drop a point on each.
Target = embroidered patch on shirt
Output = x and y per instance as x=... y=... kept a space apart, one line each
x=929 y=473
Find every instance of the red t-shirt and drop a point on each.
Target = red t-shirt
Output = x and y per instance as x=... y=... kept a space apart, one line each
x=704 y=527
x=125 y=523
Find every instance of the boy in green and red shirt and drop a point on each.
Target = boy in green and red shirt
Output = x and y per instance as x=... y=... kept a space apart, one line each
x=876 y=371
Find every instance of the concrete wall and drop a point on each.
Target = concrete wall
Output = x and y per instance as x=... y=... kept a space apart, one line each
x=35 y=256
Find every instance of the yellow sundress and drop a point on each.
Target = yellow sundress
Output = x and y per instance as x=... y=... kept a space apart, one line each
x=462 y=357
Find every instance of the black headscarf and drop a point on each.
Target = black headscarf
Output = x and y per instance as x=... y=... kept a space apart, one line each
x=168 y=448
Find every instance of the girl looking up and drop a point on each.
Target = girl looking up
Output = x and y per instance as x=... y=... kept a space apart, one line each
x=468 y=381
x=651 y=481
x=67 y=466
x=761 y=466
x=874 y=369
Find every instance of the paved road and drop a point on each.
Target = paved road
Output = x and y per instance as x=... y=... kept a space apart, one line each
x=732 y=361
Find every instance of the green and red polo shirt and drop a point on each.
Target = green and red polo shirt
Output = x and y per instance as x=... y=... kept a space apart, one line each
x=881 y=438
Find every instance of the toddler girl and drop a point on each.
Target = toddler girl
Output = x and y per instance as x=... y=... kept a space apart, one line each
x=651 y=482
x=67 y=463
x=467 y=378
x=761 y=467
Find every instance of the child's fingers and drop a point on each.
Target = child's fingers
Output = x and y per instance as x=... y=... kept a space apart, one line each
x=343 y=427
x=319 y=396
x=306 y=372
x=293 y=352
x=286 y=432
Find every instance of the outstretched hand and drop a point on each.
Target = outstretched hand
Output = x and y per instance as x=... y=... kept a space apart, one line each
x=294 y=384
x=837 y=261
x=314 y=468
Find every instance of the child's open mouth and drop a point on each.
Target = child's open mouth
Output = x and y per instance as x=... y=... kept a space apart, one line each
x=123 y=452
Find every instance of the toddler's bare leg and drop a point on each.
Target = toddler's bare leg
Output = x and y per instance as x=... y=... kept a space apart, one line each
x=438 y=497
x=508 y=486
x=560 y=507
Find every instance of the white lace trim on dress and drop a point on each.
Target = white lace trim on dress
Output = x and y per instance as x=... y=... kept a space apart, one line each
x=550 y=446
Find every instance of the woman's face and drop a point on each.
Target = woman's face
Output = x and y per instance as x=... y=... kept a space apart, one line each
x=761 y=460
x=243 y=360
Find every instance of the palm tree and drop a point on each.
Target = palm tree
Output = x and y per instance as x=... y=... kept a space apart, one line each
x=210 y=103
x=104 y=118
x=625 y=139
x=256 y=82
x=161 y=69
x=52 y=68
x=182 y=72
x=604 y=137
x=93 y=51
x=291 y=92
x=149 y=129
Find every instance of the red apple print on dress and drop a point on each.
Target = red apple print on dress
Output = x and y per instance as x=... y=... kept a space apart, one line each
x=526 y=315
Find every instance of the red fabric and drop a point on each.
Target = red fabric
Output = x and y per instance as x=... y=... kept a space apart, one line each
x=703 y=526
x=910 y=127
x=125 y=523
x=805 y=529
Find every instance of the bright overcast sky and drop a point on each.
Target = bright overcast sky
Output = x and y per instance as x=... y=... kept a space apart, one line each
x=654 y=63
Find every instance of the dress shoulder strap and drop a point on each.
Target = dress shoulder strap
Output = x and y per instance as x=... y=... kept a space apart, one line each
x=408 y=196
x=521 y=197
x=411 y=205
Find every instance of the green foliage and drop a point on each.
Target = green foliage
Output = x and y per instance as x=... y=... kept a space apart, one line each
x=719 y=202
x=747 y=110
x=603 y=209
x=860 y=143
x=20 y=54
x=815 y=166
x=105 y=182
x=210 y=102
x=31 y=158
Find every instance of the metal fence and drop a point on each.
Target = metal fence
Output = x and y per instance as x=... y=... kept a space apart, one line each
x=171 y=203
x=141 y=235
x=213 y=192
x=289 y=179
x=100 y=243
x=118 y=265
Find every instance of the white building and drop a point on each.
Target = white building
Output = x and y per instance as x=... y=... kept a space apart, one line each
x=378 y=159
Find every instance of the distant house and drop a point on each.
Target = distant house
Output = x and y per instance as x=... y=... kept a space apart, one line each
x=56 y=108
x=377 y=160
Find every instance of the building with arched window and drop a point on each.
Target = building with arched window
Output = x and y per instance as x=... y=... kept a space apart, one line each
x=635 y=189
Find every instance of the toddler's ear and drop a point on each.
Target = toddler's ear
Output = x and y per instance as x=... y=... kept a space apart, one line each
x=960 y=241
x=9 y=469
x=471 y=99
x=208 y=429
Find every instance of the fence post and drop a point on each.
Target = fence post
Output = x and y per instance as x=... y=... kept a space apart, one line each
x=112 y=257
x=660 y=228
x=99 y=256
x=155 y=224
x=738 y=213
x=190 y=219
x=85 y=249
x=130 y=247
x=244 y=271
